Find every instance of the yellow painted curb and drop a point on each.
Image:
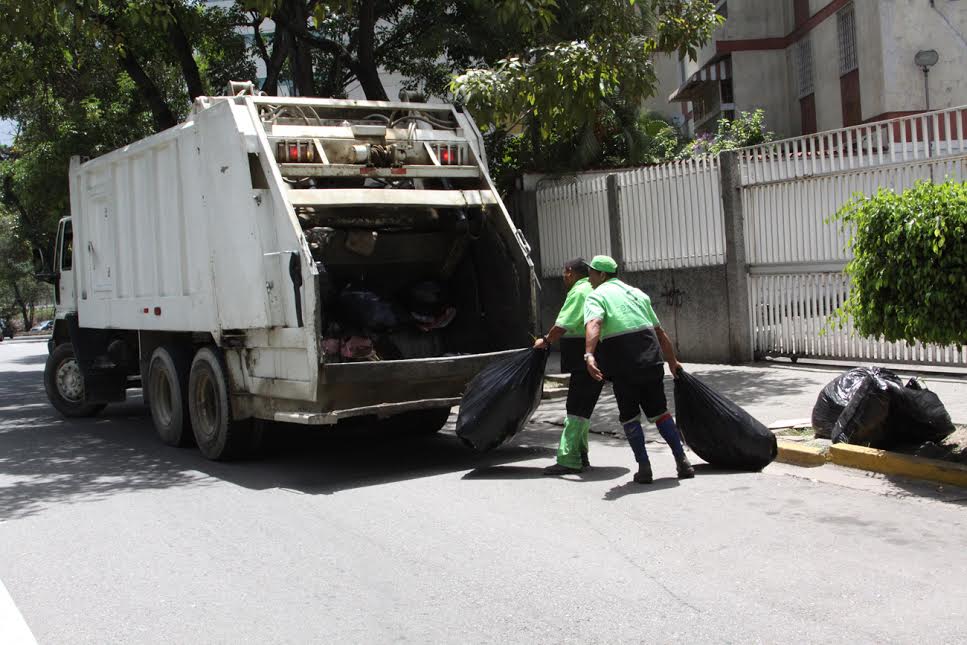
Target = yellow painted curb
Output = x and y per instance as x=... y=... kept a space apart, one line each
x=894 y=463
x=799 y=455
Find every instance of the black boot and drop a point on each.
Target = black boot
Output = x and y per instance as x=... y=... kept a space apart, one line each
x=685 y=469
x=557 y=470
x=644 y=476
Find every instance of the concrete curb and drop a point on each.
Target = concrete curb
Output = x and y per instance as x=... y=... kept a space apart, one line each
x=554 y=393
x=799 y=455
x=894 y=463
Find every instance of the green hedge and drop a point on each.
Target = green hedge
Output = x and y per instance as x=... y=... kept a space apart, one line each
x=909 y=272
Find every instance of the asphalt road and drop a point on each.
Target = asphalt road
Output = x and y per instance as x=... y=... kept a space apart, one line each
x=356 y=536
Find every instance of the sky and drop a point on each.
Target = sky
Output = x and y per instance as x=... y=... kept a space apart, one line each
x=7 y=130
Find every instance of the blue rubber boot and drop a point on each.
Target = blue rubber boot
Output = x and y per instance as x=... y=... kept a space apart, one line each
x=636 y=439
x=669 y=432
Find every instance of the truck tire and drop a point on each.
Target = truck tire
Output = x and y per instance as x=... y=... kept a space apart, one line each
x=166 y=390
x=64 y=383
x=420 y=422
x=218 y=436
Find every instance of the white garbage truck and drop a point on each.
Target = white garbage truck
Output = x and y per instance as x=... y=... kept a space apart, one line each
x=283 y=259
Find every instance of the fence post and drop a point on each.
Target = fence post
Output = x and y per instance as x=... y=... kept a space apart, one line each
x=741 y=349
x=614 y=221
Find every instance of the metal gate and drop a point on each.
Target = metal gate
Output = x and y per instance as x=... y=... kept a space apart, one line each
x=796 y=255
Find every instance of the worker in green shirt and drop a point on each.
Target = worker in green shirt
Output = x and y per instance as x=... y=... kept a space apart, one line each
x=582 y=390
x=626 y=344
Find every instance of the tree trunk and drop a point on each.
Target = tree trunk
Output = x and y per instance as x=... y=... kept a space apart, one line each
x=22 y=304
x=366 y=71
x=275 y=60
x=163 y=116
x=186 y=57
x=300 y=54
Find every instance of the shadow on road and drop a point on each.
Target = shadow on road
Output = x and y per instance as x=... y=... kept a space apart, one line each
x=634 y=488
x=34 y=359
x=598 y=474
x=47 y=460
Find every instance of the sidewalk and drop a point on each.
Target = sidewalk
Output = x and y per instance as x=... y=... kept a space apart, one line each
x=770 y=392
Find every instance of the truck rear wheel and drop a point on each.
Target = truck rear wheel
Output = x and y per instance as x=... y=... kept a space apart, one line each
x=420 y=422
x=219 y=437
x=166 y=383
x=64 y=383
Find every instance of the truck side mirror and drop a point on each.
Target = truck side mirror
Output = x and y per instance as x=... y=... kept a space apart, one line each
x=42 y=271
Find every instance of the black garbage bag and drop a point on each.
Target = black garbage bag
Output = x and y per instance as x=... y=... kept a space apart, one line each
x=837 y=394
x=718 y=430
x=863 y=421
x=364 y=310
x=917 y=416
x=501 y=399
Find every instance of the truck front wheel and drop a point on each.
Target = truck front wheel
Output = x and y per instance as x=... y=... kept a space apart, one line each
x=219 y=437
x=64 y=383
x=166 y=382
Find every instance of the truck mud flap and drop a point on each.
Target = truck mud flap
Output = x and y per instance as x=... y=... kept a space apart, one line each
x=103 y=382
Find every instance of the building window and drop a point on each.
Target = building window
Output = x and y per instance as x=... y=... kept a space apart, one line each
x=807 y=111
x=846 y=30
x=728 y=96
x=801 y=10
x=804 y=67
x=849 y=88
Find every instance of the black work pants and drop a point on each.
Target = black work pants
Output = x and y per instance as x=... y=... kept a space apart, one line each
x=641 y=391
x=582 y=394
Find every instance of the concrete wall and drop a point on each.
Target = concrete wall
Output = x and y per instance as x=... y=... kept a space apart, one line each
x=668 y=70
x=829 y=105
x=698 y=323
x=757 y=19
x=763 y=82
x=909 y=26
x=870 y=37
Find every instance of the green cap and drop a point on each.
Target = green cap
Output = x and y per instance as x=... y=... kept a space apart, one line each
x=604 y=264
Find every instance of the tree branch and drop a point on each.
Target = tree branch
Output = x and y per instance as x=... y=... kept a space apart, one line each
x=185 y=54
x=163 y=116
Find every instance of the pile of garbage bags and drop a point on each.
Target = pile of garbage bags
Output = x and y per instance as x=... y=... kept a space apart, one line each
x=718 y=430
x=365 y=325
x=870 y=406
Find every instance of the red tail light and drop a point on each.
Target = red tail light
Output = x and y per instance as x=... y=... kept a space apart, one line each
x=295 y=152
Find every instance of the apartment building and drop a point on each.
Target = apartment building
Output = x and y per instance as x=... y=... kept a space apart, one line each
x=821 y=64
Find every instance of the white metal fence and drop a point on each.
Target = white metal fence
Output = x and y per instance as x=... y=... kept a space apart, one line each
x=572 y=221
x=796 y=252
x=794 y=315
x=909 y=139
x=671 y=215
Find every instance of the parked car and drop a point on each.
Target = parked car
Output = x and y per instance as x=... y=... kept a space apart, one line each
x=47 y=325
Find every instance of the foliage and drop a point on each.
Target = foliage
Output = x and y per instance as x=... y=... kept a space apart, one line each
x=20 y=292
x=909 y=272
x=642 y=139
x=83 y=78
x=747 y=129
x=570 y=60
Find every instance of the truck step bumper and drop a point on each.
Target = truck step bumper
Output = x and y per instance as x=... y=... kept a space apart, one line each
x=381 y=411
